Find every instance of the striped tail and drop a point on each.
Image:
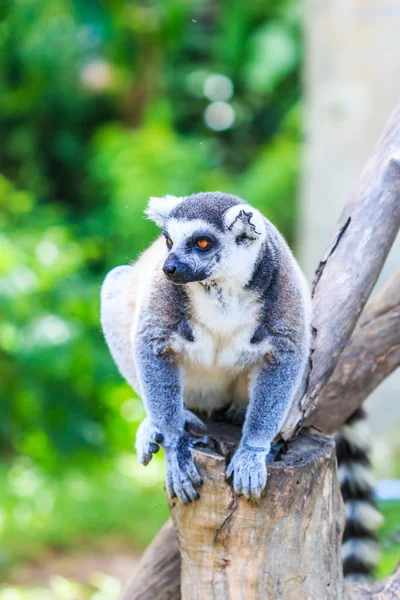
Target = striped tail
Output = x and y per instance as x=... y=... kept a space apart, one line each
x=360 y=550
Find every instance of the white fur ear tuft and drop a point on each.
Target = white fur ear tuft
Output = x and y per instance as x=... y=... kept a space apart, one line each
x=158 y=209
x=245 y=223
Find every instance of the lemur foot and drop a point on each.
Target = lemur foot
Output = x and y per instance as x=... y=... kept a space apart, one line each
x=193 y=424
x=249 y=470
x=149 y=437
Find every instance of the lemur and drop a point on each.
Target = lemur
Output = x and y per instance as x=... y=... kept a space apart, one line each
x=215 y=315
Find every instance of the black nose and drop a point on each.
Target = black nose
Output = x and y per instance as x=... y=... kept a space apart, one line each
x=169 y=270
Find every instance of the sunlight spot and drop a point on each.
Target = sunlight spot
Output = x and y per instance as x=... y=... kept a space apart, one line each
x=132 y=411
x=50 y=330
x=219 y=116
x=47 y=253
x=218 y=88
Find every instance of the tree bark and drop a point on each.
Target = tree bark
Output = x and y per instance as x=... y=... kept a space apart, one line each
x=389 y=589
x=372 y=353
x=346 y=275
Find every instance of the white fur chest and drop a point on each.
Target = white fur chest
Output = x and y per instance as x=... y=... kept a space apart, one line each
x=223 y=322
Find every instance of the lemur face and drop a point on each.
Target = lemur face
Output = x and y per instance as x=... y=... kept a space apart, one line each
x=208 y=236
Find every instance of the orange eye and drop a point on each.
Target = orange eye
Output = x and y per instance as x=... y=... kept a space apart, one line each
x=203 y=244
x=169 y=241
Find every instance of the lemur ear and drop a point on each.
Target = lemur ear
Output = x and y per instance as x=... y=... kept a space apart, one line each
x=245 y=223
x=158 y=209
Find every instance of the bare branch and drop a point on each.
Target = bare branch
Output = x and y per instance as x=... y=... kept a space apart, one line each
x=345 y=277
x=372 y=353
x=388 y=589
x=158 y=574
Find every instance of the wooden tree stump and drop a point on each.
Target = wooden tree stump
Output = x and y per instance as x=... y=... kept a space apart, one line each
x=286 y=547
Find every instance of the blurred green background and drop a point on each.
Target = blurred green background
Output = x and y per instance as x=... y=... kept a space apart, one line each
x=102 y=104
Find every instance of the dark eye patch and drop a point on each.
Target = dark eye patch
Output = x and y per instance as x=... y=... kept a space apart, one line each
x=199 y=236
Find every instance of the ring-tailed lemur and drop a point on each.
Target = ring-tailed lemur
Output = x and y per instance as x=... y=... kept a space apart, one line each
x=218 y=314
x=215 y=314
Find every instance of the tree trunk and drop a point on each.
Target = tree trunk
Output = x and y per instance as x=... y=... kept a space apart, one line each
x=288 y=546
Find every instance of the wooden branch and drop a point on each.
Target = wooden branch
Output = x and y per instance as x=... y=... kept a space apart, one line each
x=388 y=589
x=346 y=275
x=371 y=355
x=158 y=574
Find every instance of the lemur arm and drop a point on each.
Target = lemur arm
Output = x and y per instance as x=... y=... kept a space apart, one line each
x=160 y=386
x=271 y=394
x=162 y=394
x=153 y=375
x=274 y=381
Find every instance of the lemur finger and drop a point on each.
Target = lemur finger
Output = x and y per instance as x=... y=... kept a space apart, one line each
x=194 y=475
x=237 y=484
x=246 y=486
x=189 y=490
x=256 y=487
x=146 y=458
x=153 y=447
x=169 y=486
x=180 y=493
x=229 y=470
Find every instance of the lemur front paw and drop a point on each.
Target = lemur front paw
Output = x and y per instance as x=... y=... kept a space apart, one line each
x=182 y=474
x=249 y=470
x=149 y=437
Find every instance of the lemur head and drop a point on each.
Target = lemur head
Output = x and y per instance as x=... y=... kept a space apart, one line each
x=209 y=236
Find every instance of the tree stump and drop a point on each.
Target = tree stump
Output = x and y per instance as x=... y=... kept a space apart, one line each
x=288 y=546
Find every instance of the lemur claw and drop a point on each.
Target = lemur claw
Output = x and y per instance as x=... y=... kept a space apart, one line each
x=249 y=471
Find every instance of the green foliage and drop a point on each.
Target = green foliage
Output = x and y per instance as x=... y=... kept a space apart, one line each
x=390 y=538
x=103 y=104
x=77 y=506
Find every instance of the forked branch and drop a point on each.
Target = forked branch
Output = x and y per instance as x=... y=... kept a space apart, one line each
x=345 y=277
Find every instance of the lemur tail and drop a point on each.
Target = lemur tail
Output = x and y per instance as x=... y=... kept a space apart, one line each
x=360 y=550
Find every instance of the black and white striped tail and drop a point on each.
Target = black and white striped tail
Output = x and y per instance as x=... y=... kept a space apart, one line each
x=360 y=550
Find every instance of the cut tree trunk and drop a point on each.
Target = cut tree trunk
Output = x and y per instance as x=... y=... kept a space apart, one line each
x=288 y=546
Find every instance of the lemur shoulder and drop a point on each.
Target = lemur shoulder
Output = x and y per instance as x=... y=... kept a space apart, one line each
x=214 y=315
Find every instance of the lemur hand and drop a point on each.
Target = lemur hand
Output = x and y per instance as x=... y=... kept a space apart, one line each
x=249 y=470
x=182 y=474
x=149 y=437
